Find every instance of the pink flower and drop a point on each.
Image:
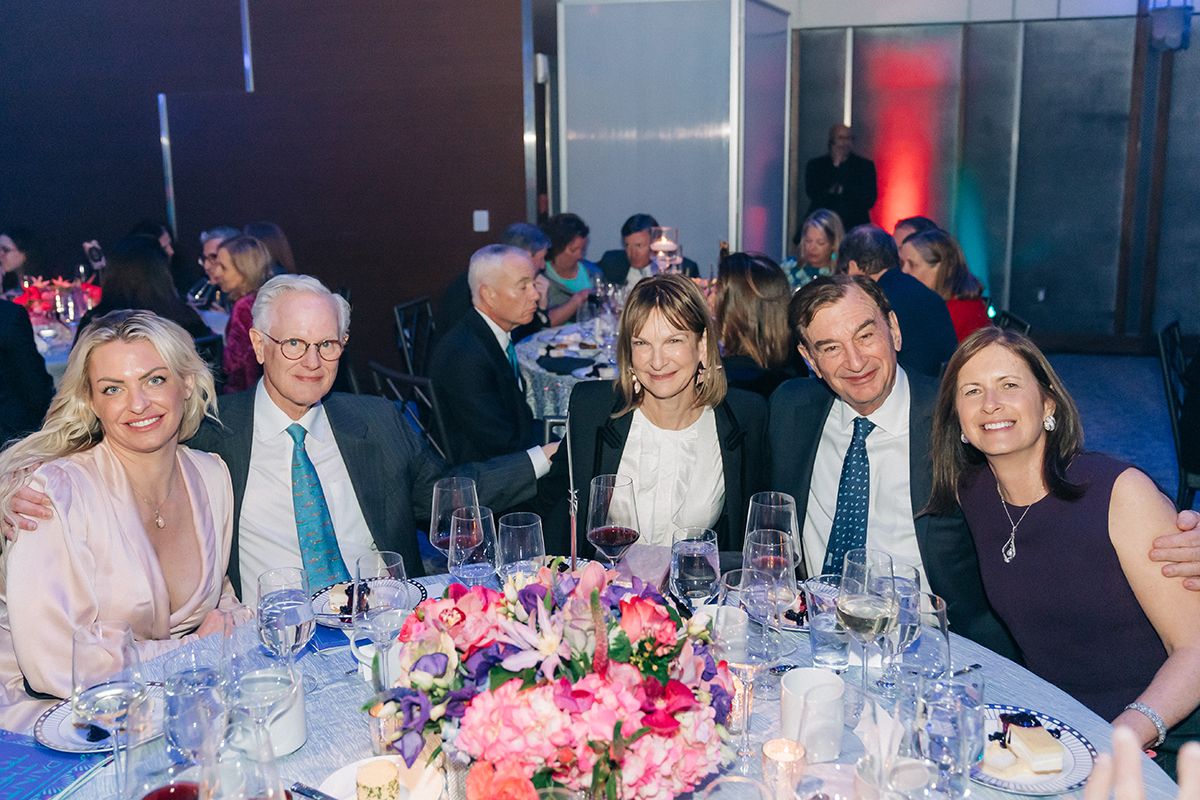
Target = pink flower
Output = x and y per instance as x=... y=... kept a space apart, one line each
x=662 y=703
x=506 y=782
x=512 y=724
x=646 y=619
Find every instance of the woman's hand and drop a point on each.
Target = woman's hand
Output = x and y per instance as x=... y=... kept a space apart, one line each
x=1119 y=775
x=214 y=621
x=27 y=507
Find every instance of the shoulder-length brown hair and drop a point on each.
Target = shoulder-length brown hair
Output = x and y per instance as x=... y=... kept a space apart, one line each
x=683 y=306
x=951 y=458
x=940 y=250
x=751 y=308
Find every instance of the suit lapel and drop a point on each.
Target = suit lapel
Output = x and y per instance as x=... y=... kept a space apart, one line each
x=808 y=424
x=610 y=444
x=358 y=454
x=922 y=395
x=732 y=437
x=499 y=358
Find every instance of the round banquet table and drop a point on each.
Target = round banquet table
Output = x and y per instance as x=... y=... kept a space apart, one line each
x=337 y=729
x=548 y=393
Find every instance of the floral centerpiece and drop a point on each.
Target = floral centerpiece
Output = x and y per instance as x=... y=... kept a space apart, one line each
x=47 y=298
x=562 y=679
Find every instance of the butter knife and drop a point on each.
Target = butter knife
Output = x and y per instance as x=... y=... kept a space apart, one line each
x=310 y=792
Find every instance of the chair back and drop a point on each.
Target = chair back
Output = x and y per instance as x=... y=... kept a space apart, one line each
x=1171 y=359
x=414 y=396
x=212 y=351
x=553 y=429
x=414 y=334
x=1010 y=321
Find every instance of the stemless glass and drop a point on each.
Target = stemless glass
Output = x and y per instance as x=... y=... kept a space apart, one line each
x=866 y=604
x=472 y=559
x=449 y=494
x=520 y=546
x=612 y=523
x=950 y=732
x=695 y=566
x=107 y=683
x=746 y=647
x=380 y=603
x=906 y=579
x=195 y=715
x=285 y=617
x=775 y=511
x=829 y=640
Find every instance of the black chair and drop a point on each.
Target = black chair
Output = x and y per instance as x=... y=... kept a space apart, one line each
x=553 y=429
x=1010 y=321
x=414 y=396
x=212 y=350
x=1170 y=356
x=414 y=334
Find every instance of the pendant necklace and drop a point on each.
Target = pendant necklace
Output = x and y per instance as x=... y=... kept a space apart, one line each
x=159 y=522
x=1009 y=551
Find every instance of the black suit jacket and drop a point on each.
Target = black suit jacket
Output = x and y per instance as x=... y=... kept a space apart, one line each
x=598 y=441
x=798 y=412
x=615 y=266
x=25 y=386
x=927 y=334
x=391 y=467
x=484 y=407
x=856 y=178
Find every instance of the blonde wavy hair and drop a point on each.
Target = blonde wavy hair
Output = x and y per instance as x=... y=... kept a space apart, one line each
x=72 y=427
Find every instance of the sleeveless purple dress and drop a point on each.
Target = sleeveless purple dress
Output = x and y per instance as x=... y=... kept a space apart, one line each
x=1064 y=596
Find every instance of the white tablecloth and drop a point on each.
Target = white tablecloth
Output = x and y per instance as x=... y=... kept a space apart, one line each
x=547 y=393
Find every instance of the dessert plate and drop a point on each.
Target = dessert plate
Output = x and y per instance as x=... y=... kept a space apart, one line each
x=56 y=727
x=411 y=593
x=418 y=783
x=1078 y=756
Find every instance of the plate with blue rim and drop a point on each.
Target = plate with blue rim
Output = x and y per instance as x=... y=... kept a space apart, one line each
x=411 y=592
x=1078 y=756
x=59 y=729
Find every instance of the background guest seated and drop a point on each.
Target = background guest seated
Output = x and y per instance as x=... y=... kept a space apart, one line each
x=571 y=278
x=935 y=259
x=628 y=266
x=910 y=225
x=819 y=238
x=141 y=527
x=243 y=265
x=205 y=293
x=693 y=447
x=20 y=255
x=1062 y=537
x=27 y=388
x=272 y=238
x=183 y=274
x=751 y=304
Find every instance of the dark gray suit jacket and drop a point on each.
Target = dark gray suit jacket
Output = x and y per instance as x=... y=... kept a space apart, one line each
x=392 y=469
x=798 y=412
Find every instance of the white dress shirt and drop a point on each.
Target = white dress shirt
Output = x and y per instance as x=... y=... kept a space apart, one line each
x=889 y=508
x=635 y=275
x=678 y=476
x=541 y=464
x=267 y=536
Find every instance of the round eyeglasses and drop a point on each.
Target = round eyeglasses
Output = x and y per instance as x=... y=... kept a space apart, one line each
x=295 y=349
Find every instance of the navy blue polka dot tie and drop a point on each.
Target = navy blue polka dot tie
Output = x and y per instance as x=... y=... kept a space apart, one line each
x=854 y=491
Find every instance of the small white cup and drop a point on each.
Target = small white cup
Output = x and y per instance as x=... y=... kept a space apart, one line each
x=365 y=654
x=288 y=726
x=821 y=691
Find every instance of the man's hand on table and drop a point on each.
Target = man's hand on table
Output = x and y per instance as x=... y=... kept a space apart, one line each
x=1180 y=552
x=1119 y=775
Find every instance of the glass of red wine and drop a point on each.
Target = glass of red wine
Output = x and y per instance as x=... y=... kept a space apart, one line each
x=612 y=524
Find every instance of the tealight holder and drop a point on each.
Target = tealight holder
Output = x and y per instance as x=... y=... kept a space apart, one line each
x=782 y=766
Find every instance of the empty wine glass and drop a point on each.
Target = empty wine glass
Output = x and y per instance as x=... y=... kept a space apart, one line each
x=866 y=604
x=928 y=655
x=449 y=494
x=775 y=511
x=520 y=547
x=906 y=579
x=695 y=566
x=770 y=552
x=107 y=684
x=747 y=648
x=285 y=617
x=380 y=603
x=195 y=714
x=472 y=559
x=612 y=525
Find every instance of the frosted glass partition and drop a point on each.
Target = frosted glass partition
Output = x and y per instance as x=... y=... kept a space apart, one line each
x=764 y=128
x=630 y=143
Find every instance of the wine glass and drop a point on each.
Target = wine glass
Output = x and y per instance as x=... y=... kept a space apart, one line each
x=107 y=684
x=866 y=604
x=449 y=494
x=380 y=604
x=695 y=566
x=285 y=617
x=748 y=649
x=472 y=559
x=770 y=552
x=612 y=523
x=928 y=655
x=520 y=546
x=775 y=511
x=259 y=685
x=195 y=714
x=951 y=730
x=906 y=579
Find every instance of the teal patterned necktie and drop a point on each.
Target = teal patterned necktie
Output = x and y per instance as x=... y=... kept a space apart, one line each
x=511 y=351
x=854 y=491
x=314 y=526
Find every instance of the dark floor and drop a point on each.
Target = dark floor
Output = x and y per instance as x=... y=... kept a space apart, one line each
x=1124 y=411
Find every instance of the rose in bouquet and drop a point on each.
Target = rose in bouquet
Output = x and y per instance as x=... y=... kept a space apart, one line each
x=562 y=679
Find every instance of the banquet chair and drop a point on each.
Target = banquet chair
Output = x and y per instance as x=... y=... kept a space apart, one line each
x=212 y=350
x=414 y=334
x=1010 y=321
x=418 y=404
x=553 y=429
x=1170 y=357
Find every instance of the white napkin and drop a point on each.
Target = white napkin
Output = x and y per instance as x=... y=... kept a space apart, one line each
x=424 y=780
x=879 y=732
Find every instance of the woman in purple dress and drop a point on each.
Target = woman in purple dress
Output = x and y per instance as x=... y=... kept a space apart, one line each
x=1062 y=537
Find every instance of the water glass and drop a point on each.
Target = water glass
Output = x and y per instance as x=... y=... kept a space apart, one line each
x=950 y=730
x=748 y=648
x=472 y=554
x=695 y=566
x=285 y=616
x=195 y=713
x=520 y=546
x=107 y=684
x=449 y=494
x=829 y=640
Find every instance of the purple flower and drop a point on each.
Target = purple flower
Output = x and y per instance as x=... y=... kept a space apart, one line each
x=722 y=702
x=414 y=711
x=409 y=746
x=456 y=702
x=531 y=597
x=480 y=663
x=710 y=665
x=433 y=663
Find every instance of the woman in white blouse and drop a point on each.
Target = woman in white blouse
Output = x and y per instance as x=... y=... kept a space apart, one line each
x=693 y=447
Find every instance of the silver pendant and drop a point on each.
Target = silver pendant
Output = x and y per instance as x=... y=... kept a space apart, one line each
x=161 y=523
x=1009 y=551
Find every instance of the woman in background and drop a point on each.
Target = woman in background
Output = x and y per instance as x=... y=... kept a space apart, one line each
x=21 y=254
x=571 y=278
x=910 y=225
x=750 y=304
x=936 y=260
x=183 y=274
x=272 y=237
x=819 y=238
x=243 y=266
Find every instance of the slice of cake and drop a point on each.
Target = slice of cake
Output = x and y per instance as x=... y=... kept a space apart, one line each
x=377 y=780
x=1033 y=745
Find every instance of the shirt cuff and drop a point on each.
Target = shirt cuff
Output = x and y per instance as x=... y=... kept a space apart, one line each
x=541 y=464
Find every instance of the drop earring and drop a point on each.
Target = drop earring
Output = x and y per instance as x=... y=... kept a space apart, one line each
x=637 y=387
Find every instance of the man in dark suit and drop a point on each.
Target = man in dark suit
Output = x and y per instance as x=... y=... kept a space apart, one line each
x=929 y=338
x=474 y=366
x=841 y=180
x=630 y=265
x=26 y=388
